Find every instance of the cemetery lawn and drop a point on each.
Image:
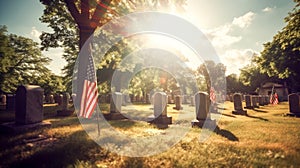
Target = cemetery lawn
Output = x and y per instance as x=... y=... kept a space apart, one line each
x=264 y=138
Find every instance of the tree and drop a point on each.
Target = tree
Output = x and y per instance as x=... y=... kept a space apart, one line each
x=21 y=62
x=80 y=23
x=280 y=57
x=214 y=75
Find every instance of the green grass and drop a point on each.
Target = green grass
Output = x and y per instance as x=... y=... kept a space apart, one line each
x=264 y=138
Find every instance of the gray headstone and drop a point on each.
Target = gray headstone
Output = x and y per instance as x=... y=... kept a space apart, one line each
x=148 y=99
x=177 y=103
x=238 y=106
x=192 y=100
x=160 y=104
x=116 y=102
x=3 y=99
x=202 y=105
x=294 y=103
x=29 y=104
x=254 y=101
x=248 y=101
x=65 y=101
x=261 y=101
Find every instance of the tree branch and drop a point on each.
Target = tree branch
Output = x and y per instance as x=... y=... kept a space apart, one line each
x=73 y=10
x=100 y=11
x=85 y=9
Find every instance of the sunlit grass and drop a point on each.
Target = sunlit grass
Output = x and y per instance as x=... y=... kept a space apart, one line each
x=264 y=138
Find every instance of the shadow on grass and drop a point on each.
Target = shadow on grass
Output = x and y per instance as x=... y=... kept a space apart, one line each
x=64 y=153
x=228 y=115
x=227 y=134
x=123 y=123
x=260 y=118
x=260 y=111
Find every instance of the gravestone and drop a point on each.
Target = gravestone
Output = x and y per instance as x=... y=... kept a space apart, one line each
x=294 y=104
x=160 y=110
x=115 y=107
x=64 y=109
x=184 y=99
x=238 y=107
x=170 y=100
x=261 y=100
x=192 y=100
x=29 y=104
x=177 y=103
x=10 y=102
x=248 y=101
x=254 y=101
x=59 y=99
x=3 y=99
x=29 y=110
x=202 y=111
x=266 y=99
x=148 y=99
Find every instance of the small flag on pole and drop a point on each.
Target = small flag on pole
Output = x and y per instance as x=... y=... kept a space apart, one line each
x=89 y=97
x=212 y=95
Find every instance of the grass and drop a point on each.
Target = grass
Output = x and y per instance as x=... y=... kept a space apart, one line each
x=264 y=138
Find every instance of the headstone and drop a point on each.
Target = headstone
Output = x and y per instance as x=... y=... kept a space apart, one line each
x=51 y=99
x=59 y=99
x=202 y=111
x=160 y=110
x=148 y=99
x=238 y=107
x=115 y=107
x=266 y=97
x=294 y=104
x=261 y=100
x=29 y=104
x=10 y=102
x=248 y=101
x=65 y=111
x=177 y=103
x=170 y=100
x=3 y=99
x=192 y=100
x=254 y=101
x=184 y=99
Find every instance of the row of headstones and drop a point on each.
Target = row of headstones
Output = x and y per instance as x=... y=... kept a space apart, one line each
x=61 y=99
x=160 y=101
x=252 y=101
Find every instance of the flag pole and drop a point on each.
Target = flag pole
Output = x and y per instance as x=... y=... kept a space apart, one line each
x=97 y=111
x=271 y=97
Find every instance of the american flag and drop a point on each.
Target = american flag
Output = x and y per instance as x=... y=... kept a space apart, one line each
x=89 y=97
x=274 y=98
x=212 y=95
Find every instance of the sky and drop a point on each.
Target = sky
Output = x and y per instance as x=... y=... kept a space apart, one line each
x=235 y=28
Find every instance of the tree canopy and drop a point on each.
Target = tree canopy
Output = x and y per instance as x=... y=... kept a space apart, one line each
x=280 y=57
x=23 y=63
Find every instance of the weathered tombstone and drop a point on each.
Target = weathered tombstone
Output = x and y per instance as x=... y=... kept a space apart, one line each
x=51 y=99
x=160 y=110
x=3 y=99
x=192 y=100
x=29 y=104
x=10 y=102
x=261 y=100
x=59 y=99
x=64 y=106
x=248 y=101
x=170 y=100
x=177 y=103
x=238 y=107
x=294 y=104
x=148 y=99
x=115 y=107
x=202 y=111
x=184 y=99
x=254 y=101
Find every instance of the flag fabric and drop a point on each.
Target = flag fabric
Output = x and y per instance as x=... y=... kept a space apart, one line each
x=212 y=95
x=275 y=99
x=89 y=97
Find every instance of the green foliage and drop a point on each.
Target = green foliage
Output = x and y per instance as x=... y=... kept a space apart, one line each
x=280 y=57
x=23 y=63
x=234 y=85
x=74 y=21
x=213 y=74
